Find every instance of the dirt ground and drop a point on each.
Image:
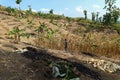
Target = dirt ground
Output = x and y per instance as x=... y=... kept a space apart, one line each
x=34 y=65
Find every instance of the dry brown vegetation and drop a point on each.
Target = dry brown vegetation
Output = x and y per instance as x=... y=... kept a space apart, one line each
x=96 y=43
x=100 y=42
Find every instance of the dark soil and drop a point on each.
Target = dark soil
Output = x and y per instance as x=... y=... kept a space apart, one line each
x=34 y=65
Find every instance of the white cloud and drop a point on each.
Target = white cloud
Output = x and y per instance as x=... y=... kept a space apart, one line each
x=45 y=10
x=59 y=13
x=34 y=10
x=96 y=6
x=79 y=9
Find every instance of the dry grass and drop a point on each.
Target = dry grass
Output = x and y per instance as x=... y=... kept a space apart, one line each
x=94 y=42
x=97 y=43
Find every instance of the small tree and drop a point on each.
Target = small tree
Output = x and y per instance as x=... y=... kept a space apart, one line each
x=97 y=15
x=40 y=30
x=116 y=14
x=51 y=11
x=17 y=33
x=112 y=12
x=30 y=24
x=107 y=18
x=100 y=19
x=93 y=16
x=29 y=11
x=85 y=13
x=51 y=34
x=18 y=2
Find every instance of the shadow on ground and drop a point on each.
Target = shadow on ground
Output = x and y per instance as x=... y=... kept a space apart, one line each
x=35 y=56
x=34 y=65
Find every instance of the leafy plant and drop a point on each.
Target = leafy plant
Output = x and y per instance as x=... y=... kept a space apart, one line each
x=51 y=34
x=30 y=24
x=17 y=33
x=42 y=28
x=18 y=2
x=51 y=11
x=63 y=70
x=112 y=12
x=29 y=11
x=93 y=16
x=97 y=15
x=85 y=13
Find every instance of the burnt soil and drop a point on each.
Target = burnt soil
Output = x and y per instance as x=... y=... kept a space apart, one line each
x=34 y=65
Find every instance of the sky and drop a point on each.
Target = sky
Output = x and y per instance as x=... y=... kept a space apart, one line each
x=71 y=8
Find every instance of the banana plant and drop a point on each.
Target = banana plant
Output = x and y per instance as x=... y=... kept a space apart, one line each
x=17 y=33
x=42 y=28
x=30 y=24
x=51 y=34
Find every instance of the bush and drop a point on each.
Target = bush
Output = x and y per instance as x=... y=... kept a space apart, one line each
x=116 y=27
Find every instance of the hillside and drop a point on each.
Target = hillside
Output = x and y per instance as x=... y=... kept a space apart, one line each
x=87 y=44
x=83 y=35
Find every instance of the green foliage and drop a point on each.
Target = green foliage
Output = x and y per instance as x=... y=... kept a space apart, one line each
x=51 y=11
x=88 y=28
x=17 y=33
x=63 y=70
x=18 y=1
x=116 y=27
x=49 y=16
x=45 y=33
x=93 y=16
x=30 y=24
x=9 y=9
x=16 y=30
x=100 y=19
x=53 y=22
x=69 y=19
x=41 y=28
x=112 y=12
x=97 y=15
x=85 y=13
x=16 y=12
x=116 y=14
x=51 y=33
x=27 y=35
x=29 y=11
x=12 y=11
x=107 y=18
